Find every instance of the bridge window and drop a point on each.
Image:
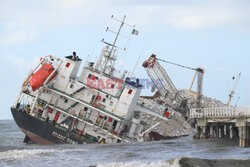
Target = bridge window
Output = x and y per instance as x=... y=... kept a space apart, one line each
x=110 y=119
x=50 y=110
x=67 y=65
x=93 y=98
x=93 y=77
x=114 y=124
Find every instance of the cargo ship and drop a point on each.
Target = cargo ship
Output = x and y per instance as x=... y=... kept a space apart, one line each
x=56 y=105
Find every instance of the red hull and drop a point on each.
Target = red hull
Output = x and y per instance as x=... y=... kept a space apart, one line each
x=36 y=138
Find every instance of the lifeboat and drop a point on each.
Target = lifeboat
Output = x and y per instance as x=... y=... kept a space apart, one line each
x=41 y=75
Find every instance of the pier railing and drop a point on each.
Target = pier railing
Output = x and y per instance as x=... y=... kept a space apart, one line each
x=220 y=112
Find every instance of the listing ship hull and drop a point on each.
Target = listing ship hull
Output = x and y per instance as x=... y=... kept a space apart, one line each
x=45 y=132
x=56 y=105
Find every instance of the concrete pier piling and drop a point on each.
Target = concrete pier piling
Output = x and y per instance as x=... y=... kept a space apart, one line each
x=240 y=136
x=211 y=131
x=244 y=137
x=198 y=132
x=248 y=136
x=227 y=131
x=234 y=132
x=224 y=130
x=203 y=134
x=223 y=122
x=217 y=131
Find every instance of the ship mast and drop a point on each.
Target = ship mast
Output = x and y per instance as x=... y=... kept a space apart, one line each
x=107 y=58
x=112 y=46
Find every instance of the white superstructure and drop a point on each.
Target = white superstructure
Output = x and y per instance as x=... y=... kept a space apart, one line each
x=97 y=104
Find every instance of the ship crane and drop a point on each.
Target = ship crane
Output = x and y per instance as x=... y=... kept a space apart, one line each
x=167 y=89
x=237 y=78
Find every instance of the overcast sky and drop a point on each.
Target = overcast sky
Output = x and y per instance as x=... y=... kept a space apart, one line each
x=214 y=34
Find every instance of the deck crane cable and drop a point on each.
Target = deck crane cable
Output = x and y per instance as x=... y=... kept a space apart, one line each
x=237 y=78
x=199 y=72
x=165 y=61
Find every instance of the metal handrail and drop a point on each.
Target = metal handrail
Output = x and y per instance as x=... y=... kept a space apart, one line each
x=220 y=112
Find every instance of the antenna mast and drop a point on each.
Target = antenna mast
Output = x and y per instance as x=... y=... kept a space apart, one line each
x=122 y=23
x=113 y=45
x=106 y=61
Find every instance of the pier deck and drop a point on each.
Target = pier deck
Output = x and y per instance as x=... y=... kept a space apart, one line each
x=221 y=122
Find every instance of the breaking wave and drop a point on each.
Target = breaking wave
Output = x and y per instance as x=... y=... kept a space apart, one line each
x=21 y=154
x=184 y=162
x=212 y=152
x=32 y=153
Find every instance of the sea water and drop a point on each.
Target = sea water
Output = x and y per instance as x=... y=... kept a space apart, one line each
x=13 y=152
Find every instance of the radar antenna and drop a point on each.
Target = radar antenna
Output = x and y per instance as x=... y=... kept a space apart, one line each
x=106 y=61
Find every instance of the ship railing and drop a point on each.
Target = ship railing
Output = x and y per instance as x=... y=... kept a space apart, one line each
x=83 y=120
x=55 y=70
x=52 y=58
x=116 y=74
x=144 y=109
x=47 y=80
x=62 y=127
x=101 y=90
x=220 y=112
x=86 y=104
x=25 y=99
x=73 y=76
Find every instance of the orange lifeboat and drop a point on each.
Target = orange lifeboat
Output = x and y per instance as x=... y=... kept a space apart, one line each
x=41 y=75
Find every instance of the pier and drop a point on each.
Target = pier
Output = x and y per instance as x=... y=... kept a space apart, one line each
x=223 y=122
